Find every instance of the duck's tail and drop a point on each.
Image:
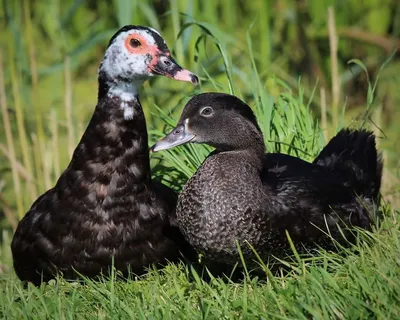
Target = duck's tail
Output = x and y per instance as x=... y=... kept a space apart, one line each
x=353 y=154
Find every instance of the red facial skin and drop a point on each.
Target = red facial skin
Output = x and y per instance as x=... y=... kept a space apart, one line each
x=139 y=45
x=144 y=48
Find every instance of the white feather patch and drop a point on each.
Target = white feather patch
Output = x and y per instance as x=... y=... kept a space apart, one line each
x=127 y=93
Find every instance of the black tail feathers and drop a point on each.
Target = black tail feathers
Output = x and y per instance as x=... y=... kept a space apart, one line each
x=353 y=154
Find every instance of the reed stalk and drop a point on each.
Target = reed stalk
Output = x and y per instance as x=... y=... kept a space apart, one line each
x=10 y=141
x=324 y=119
x=176 y=24
x=333 y=46
x=55 y=142
x=68 y=107
x=22 y=135
x=30 y=41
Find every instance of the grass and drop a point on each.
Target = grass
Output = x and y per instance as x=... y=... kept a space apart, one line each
x=47 y=97
x=361 y=283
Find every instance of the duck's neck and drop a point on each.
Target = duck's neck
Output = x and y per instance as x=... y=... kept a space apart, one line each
x=250 y=153
x=126 y=92
x=114 y=149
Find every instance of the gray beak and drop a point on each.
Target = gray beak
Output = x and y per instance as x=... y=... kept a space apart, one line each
x=176 y=137
x=168 y=67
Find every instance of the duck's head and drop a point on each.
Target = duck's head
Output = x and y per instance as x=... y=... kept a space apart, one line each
x=136 y=53
x=217 y=119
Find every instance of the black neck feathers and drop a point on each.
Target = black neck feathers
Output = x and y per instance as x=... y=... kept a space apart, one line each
x=111 y=162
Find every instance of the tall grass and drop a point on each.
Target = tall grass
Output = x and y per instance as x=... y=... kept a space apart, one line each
x=52 y=50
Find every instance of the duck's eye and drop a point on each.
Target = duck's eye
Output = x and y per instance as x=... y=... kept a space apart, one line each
x=206 y=111
x=134 y=43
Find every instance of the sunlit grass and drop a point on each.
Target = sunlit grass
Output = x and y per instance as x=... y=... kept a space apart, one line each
x=363 y=282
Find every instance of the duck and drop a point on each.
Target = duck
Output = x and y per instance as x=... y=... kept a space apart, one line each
x=242 y=197
x=105 y=210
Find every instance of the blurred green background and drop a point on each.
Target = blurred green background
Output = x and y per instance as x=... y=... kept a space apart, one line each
x=331 y=51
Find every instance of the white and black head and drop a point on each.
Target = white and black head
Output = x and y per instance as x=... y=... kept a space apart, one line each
x=217 y=119
x=137 y=53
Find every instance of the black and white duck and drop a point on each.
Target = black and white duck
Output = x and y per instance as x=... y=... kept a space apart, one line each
x=239 y=193
x=105 y=207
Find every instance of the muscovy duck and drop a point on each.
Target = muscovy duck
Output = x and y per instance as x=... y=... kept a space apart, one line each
x=105 y=208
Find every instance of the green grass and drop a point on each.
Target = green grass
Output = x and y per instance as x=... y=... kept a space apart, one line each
x=51 y=51
x=361 y=283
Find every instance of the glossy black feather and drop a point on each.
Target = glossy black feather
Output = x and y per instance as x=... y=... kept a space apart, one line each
x=352 y=154
x=240 y=193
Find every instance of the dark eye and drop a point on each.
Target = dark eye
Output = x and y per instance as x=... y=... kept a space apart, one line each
x=135 y=43
x=206 y=111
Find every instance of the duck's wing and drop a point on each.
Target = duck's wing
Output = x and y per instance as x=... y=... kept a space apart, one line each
x=306 y=186
x=311 y=198
x=30 y=246
x=294 y=176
